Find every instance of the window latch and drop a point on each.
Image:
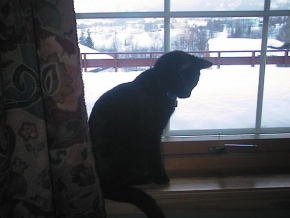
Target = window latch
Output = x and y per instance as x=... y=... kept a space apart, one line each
x=232 y=148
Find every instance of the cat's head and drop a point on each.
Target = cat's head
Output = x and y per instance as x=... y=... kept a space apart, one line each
x=179 y=72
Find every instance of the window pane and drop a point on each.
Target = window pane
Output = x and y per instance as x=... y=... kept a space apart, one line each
x=276 y=104
x=86 y=6
x=96 y=84
x=225 y=97
x=116 y=39
x=280 y=5
x=120 y=35
x=217 y=5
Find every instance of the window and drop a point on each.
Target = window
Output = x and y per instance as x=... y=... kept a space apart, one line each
x=212 y=5
x=276 y=88
x=245 y=92
x=90 y=6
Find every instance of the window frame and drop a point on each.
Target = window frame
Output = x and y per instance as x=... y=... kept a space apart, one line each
x=167 y=15
x=191 y=156
x=186 y=152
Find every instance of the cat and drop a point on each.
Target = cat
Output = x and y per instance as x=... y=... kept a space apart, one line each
x=126 y=124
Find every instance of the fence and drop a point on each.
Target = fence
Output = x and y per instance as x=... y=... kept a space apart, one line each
x=117 y=60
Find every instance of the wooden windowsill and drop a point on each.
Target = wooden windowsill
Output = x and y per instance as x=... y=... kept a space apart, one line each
x=255 y=186
x=215 y=194
x=189 y=158
x=225 y=137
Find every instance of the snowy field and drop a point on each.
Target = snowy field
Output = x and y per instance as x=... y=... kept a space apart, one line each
x=224 y=98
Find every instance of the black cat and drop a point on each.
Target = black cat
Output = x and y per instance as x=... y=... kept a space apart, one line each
x=127 y=122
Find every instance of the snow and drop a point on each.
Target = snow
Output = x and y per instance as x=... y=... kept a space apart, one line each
x=224 y=98
x=92 y=53
x=275 y=42
x=241 y=44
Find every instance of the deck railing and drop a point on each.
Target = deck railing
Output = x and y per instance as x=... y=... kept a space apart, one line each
x=117 y=60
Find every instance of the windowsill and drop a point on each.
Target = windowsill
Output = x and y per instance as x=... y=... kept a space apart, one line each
x=225 y=137
x=234 y=180
x=271 y=192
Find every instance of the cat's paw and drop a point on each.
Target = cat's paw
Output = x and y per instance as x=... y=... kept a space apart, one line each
x=163 y=179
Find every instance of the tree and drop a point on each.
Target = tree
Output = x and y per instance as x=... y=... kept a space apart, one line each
x=201 y=39
x=284 y=33
x=193 y=39
x=82 y=38
x=115 y=44
x=89 y=41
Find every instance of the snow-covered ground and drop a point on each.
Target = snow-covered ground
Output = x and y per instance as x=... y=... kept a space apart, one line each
x=224 y=98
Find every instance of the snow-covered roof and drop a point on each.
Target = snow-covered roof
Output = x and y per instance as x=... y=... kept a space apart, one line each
x=91 y=53
x=239 y=44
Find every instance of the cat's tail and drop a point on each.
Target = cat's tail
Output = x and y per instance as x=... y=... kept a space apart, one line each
x=134 y=196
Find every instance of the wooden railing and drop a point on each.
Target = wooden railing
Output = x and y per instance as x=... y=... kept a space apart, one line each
x=117 y=60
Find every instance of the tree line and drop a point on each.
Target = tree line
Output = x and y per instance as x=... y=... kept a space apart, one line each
x=194 y=37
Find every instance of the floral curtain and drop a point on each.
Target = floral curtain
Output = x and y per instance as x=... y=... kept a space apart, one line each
x=46 y=164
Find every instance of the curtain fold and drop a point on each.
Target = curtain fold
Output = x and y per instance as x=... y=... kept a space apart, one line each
x=46 y=164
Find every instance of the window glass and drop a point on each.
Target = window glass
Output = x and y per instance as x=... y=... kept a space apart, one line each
x=116 y=39
x=276 y=104
x=87 y=6
x=280 y=5
x=225 y=97
x=123 y=35
x=217 y=5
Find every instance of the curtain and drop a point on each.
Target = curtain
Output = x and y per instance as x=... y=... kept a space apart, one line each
x=46 y=164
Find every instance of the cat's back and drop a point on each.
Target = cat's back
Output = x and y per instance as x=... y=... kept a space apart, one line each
x=118 y=111
x=140 y=105
x=118 y=98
